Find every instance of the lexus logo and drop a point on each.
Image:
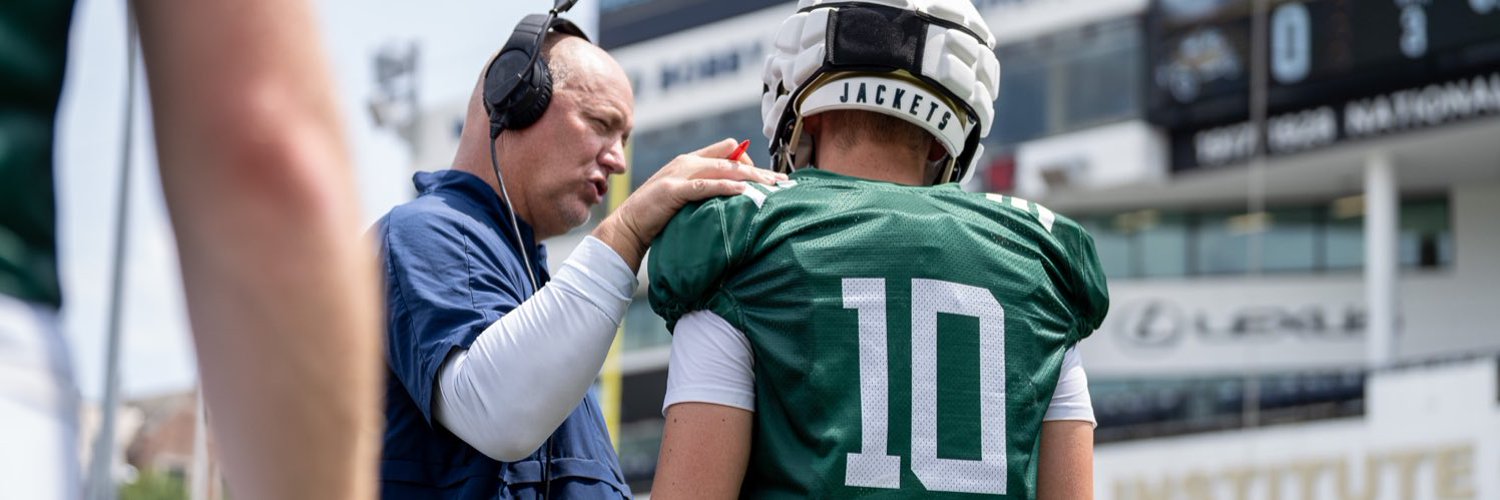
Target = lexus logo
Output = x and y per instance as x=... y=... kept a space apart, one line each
x=1151 y=323
x=1160 y=324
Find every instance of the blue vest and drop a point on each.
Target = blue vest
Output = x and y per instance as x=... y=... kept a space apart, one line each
x=451 y=269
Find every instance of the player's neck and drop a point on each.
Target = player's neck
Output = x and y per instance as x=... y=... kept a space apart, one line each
x=874 y=161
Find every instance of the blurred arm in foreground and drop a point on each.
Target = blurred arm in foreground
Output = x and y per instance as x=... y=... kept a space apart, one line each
x=280 y=289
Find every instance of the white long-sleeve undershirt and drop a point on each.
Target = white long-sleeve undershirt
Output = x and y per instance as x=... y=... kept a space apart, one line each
x=524 y=374
x=712 y=363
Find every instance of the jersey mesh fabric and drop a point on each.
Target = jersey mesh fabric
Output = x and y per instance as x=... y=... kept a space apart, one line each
x=779 y=264
x=33 y=57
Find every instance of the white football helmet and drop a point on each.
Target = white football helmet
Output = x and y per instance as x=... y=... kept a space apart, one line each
x=929 y=62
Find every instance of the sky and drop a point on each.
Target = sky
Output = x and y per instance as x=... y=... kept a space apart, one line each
x=455 y=36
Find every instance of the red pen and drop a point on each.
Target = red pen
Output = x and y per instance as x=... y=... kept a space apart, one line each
x=744 y=146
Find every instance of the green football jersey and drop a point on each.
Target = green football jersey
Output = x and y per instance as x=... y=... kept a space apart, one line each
x=33 y=56
x=907 y=340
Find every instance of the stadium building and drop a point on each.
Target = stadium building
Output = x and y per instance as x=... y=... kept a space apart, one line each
x=1263 y=342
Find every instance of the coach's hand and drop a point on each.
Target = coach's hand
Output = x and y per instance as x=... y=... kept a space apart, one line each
x=704 y=173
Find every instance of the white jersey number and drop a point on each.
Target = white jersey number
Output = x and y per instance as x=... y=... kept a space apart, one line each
x=872 y=467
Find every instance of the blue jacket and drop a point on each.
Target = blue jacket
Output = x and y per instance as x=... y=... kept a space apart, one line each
x=452 y=269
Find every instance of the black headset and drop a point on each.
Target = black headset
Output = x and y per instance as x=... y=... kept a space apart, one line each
x=517 y=90
x=517 y=83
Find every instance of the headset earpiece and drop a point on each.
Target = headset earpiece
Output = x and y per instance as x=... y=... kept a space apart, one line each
x=518 y=83
x=498 y=85
x=529 y=102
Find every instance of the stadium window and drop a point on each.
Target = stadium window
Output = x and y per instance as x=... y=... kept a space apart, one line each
x=1102 y=75
x=1161 y=246
x=1223 y=241
x=1291 y=241
x=1296 y=239
x=1021 y=109
x=1425 y=238
x=1220 y=244
x=1069 y=81
x=643 y=328
x=1344 y=236
x=1143 y=408
x=1112 y=244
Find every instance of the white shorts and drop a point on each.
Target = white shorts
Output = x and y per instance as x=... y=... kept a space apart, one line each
x=38 y=405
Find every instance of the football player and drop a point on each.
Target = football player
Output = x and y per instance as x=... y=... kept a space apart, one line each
x=867 y=328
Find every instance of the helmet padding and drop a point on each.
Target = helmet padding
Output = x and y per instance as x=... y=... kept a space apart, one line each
x=929 y=62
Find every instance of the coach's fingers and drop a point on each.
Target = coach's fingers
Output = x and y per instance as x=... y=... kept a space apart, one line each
x=696 y=167
x=738 y=171
x=723 y=149
x=646 y=212
x=719 y=149
x=699 y=189
x=745 y=159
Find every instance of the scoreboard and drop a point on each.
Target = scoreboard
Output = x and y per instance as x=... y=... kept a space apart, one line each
x=1323 y=57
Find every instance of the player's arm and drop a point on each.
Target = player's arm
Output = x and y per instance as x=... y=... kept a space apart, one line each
x=704 y=450
x=710 y=398
x=710 y=403
x=1066 y=470
x=281 y=290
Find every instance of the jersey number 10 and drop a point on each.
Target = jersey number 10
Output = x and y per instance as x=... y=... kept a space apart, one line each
x=872 y=467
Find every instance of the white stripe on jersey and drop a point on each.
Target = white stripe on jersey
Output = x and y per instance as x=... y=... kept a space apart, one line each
x=1043 y=215
x=1046 y=216
x=755 y=195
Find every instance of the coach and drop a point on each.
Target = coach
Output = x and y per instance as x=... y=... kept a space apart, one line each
x=490 y=358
